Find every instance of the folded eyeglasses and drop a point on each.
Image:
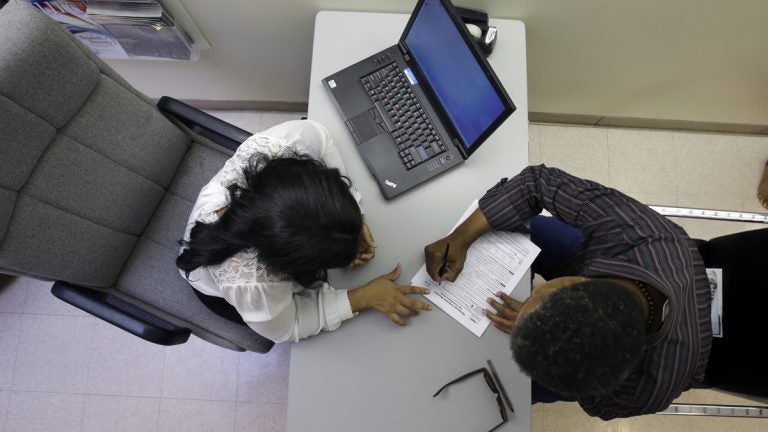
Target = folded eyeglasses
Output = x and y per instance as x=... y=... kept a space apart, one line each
x=492 y=379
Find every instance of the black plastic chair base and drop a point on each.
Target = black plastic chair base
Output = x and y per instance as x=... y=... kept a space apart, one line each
x=204 y=124
x=122 y=314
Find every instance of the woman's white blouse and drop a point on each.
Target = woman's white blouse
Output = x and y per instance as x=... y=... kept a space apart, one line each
x=272 y=304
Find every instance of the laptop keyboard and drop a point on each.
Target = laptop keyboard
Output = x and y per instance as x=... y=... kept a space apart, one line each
x=414 y=133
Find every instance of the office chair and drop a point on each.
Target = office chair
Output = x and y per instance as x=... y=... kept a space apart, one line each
x=737 y=362
x=96 y=184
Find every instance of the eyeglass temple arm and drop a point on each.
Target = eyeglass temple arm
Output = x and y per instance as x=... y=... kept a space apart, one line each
x=500 y=386
x=463 y=377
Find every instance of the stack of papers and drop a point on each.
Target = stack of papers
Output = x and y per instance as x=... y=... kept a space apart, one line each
x=71 y=14
x=122 y=29
x=495 y=262
x=130 y=8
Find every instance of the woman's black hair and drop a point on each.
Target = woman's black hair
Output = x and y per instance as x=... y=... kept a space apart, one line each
x=583 y=339
x=298 y=214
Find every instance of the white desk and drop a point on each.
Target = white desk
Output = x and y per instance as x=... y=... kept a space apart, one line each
x=371 y=375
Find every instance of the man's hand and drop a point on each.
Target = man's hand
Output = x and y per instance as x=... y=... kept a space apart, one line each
x=389 y=298
x=460 y=240
x=506 y=314
x=367 y=249
x=454 y=262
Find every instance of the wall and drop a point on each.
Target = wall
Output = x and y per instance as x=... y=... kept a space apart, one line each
x=694 y=60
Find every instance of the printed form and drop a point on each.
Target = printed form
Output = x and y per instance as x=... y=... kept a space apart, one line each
x=497 y=261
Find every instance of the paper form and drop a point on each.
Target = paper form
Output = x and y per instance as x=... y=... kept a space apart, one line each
x=495 y=262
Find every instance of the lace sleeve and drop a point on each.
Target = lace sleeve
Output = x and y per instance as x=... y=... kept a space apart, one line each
x=233 y=171
x=244 y=268
x=298 y=136
x=274 y=305
x=257 y=293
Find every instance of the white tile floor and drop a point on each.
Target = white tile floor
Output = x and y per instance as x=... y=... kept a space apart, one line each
x=62 y=370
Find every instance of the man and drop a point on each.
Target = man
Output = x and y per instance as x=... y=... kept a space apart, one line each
x=622 y=325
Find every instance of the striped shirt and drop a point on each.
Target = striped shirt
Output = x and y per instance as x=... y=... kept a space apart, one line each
x=623 y=238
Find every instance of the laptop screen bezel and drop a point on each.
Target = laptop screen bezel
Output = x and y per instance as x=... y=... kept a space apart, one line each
x=509 y=106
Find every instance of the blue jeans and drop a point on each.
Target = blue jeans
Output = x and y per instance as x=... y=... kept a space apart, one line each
x=559 y=243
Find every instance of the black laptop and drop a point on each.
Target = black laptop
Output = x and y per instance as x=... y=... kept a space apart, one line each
x=420 y=107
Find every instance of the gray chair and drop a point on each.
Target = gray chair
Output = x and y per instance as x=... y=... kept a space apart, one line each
x=96 y=184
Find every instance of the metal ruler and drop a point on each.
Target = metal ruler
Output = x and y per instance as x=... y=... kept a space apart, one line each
x=717 y=410
x=710 y=214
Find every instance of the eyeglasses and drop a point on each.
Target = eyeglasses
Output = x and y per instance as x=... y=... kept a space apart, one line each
x=494 y=384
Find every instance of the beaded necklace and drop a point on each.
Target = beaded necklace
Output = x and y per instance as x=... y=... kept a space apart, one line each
x=651 y=308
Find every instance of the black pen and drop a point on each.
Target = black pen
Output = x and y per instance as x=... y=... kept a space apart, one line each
x=442 y=270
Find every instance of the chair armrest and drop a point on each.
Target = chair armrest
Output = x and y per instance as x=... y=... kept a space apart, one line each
x=121 y=313
x=714 y=214
x=200 y=122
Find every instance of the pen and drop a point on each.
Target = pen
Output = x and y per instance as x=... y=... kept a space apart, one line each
x=442 y=270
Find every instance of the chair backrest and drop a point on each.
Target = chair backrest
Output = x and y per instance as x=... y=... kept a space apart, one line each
x=737 y=363
x=86 y=159
x=96 y=186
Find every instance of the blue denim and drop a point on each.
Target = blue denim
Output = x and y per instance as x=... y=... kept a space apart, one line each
x=559 y=243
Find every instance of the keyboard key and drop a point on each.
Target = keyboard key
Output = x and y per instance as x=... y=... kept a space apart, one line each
x=401 y=114
x=414 y=154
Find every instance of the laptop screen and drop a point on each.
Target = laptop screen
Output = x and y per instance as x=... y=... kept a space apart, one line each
x=467 y=94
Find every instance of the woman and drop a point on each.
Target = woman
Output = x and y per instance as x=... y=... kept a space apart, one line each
x=267 y=226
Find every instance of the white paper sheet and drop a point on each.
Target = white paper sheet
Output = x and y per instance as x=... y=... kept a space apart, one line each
x=715 y=276
x=497 y=261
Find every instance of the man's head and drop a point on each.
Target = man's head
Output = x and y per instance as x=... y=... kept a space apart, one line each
x=578 y=336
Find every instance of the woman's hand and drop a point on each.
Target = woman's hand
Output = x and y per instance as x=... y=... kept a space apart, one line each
x=389 y=298
x=367 y=249
x=506 y=312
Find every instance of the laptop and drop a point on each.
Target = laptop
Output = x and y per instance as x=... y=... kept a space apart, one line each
x=423 y=106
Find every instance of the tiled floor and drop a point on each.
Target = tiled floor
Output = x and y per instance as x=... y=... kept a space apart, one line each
x=61 y=370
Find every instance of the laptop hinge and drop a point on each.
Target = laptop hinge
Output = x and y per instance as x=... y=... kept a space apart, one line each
x=460 y=147
x=401 y=46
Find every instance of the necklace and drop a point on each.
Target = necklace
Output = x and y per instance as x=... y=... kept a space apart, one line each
x=651 y=308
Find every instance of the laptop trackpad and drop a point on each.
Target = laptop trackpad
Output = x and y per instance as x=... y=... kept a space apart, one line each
x=364 y=126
